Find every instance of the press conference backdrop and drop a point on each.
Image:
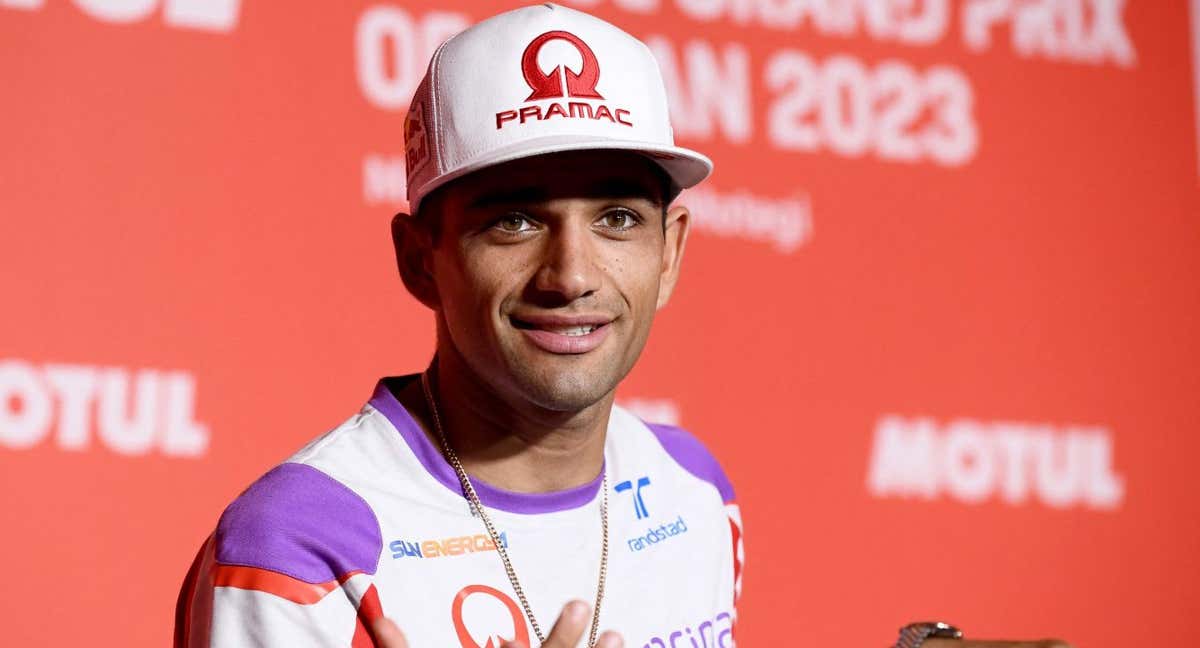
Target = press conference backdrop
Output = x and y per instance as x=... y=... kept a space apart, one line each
x=939 y=318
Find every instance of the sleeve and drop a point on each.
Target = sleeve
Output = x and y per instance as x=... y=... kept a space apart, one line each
x=691 y=454
x=292 y=563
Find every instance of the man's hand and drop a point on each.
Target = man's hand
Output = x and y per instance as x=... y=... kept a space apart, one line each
x=387 y=634
x=569 y=629
x=565 y=634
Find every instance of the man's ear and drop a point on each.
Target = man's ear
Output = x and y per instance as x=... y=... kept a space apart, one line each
x=675 y=233
x=414 y=247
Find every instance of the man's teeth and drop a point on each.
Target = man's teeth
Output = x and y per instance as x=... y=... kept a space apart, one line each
x=574 y=330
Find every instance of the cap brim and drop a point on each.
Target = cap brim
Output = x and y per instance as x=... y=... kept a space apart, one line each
x=685 y=167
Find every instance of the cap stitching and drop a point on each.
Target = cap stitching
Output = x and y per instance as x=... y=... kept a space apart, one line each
x=432 y=89
x=434 y=72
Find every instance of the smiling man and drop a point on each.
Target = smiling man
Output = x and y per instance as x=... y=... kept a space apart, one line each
x=502 y=489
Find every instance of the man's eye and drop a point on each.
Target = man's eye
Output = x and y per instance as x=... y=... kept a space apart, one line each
x=619 y=219
x=513 y=223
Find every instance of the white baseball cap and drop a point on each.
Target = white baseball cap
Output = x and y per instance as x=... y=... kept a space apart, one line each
x=537 y=80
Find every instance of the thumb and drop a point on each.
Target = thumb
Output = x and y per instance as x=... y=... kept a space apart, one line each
x=387 y=634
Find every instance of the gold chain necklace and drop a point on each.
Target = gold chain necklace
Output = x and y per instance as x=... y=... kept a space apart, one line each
x=477 y=506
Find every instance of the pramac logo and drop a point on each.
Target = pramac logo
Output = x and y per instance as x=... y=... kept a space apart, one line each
x=561 y=82
x=519 y=631
x=548 y=86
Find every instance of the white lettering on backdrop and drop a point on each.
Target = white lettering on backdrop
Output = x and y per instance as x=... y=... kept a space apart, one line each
x=130 y=412
x=973 y=462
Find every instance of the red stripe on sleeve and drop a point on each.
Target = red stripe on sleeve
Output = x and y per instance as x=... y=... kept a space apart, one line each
x=193 y=608
x=271 y=582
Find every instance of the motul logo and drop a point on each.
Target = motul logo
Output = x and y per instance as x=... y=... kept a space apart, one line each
x=561 y=82
x=131 y=412
x=974 y=461
x=202 y=15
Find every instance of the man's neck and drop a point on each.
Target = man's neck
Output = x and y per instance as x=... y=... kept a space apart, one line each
x=516 y=446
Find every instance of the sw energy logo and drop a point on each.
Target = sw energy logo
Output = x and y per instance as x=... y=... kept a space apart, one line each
x=455 y=546
x=559 y=83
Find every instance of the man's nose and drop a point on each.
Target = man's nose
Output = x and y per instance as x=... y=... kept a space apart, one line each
x=569 y=267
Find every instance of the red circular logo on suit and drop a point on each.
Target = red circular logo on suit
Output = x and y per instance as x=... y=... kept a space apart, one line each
x=520 y=632
x=547 y=85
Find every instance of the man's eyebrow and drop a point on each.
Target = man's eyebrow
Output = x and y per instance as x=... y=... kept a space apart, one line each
x=605 y=187
x=507 y=197
x=623 y=188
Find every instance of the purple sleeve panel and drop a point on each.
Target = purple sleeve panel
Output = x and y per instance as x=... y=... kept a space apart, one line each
x=298 y=521
x=690 y=453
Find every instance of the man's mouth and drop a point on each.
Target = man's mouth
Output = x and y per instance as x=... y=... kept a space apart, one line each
x=571 y=331
x=563 y=334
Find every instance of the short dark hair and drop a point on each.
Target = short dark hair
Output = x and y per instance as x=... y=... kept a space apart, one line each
x=429 y=213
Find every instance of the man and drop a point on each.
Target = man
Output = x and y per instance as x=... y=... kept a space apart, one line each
x=473 y=502
x=470 y=504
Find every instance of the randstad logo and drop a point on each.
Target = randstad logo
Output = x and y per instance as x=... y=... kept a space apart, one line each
x=561 y=82
x=515 y=630
x=639 y=504
x=655 y=535
x=448 y=547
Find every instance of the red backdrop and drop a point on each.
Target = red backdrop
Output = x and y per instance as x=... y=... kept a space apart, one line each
x=939 y=319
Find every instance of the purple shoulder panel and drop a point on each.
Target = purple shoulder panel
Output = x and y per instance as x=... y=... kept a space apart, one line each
x=298 y=521
x=689 y=452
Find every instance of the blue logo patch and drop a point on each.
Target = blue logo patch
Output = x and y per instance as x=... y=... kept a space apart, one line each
x=655 y=535
x=639 y=504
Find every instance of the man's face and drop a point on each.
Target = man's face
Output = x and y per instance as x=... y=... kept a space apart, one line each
x=548 y=272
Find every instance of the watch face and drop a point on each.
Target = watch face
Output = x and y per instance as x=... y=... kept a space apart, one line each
x=939 y=629
x=913 y=634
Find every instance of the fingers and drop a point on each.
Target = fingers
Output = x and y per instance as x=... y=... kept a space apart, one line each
x=566 y=631
x=610 y=639
x=387 y=634
x=569 y=627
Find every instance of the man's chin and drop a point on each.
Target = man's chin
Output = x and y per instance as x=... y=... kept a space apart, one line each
x=565 y=389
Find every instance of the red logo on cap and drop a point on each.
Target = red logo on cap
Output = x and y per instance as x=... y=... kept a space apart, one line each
x=416 y=138
x=548 y=86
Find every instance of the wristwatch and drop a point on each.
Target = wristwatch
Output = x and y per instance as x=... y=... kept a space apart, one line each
x=915 y=634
